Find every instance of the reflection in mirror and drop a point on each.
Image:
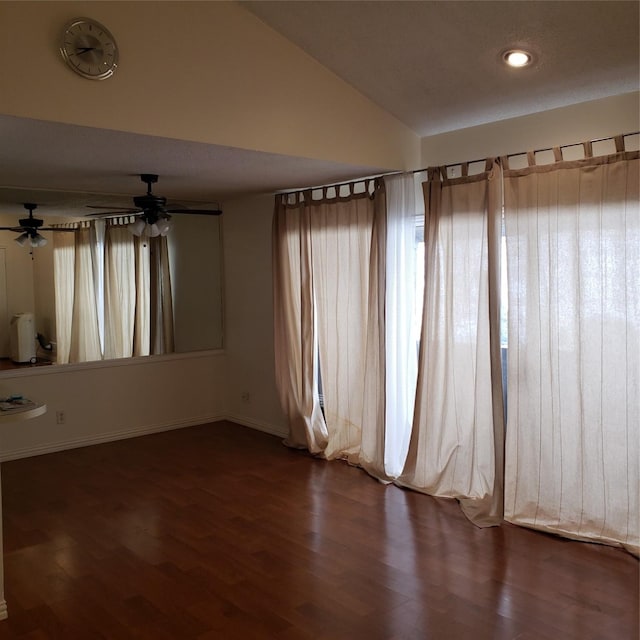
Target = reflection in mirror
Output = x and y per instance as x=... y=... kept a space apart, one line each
x=194 y=242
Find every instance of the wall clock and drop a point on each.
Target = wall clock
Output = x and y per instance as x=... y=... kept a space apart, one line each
x=89 y=49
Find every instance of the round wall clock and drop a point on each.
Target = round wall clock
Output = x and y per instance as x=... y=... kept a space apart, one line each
x=89 y=49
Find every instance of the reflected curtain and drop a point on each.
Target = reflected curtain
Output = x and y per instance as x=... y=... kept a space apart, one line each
x=160 y=302
x=142 y=327
x=123 y=282
x=64 y=257
x=85 y=335
x=119 y=292
x=573 y=252
x=457 y=436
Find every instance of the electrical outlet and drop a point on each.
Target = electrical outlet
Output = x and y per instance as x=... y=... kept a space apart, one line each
x=245 y=396
x=59 y=417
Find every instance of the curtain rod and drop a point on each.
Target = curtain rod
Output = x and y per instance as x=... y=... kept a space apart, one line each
x=337 y=185
x=522 y=153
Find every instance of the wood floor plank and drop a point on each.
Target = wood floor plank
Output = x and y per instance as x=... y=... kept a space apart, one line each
x=220 y=532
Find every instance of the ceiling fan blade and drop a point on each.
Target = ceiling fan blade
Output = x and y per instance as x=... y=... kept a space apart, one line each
x=57 y=229
x=16 y=229
x=200 y=212
x=95 y=206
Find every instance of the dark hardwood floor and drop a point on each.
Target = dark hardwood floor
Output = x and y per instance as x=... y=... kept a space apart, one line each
x=220 y=532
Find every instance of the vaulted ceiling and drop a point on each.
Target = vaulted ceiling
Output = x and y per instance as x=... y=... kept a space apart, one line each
x=437 y=66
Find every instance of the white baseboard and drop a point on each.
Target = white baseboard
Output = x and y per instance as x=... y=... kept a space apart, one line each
x=272 y=429
x=134 y=432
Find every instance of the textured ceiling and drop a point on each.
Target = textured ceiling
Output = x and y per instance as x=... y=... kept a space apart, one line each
x=437 y=66
x=71 y=166
x=434 y=65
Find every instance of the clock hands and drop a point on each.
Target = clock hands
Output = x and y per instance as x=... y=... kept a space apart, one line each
x=81 y=50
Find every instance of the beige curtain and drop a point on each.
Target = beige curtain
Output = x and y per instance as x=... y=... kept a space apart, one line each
x=64 y=257
x=322 y=266
x=456 y=442
x=85 y=335
x=346 y=316
x=142 y=328
x=295 y=340
x=573 y=247
x=119 y=292
x=160 y=301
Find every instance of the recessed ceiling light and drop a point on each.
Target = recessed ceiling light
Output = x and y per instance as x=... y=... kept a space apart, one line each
x=517 y=58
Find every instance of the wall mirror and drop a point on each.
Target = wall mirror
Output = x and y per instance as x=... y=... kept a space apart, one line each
x=27 y=274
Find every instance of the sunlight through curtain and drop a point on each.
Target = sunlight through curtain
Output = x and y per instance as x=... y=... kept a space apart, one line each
x=573 y=252
x=405 y=203
x=341 y=236
x=456 y=442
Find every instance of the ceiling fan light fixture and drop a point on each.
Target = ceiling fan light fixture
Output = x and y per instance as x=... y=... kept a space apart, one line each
x=137 y=227
x=38 y=241
x=517 y=58
x=154 y=230
x=163 y=226
x=22 y=239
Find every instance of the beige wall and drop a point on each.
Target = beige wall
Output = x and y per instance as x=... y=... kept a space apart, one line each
x=195 y=257
x=116 y=399
x=201 y=71
x=567 y=125
x=19 y=279
x=249 y=314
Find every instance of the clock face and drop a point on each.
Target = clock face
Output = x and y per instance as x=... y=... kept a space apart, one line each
x=89 y=49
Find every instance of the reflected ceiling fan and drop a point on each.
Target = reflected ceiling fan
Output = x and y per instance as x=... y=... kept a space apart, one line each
x=151 y=211
x=30 y=227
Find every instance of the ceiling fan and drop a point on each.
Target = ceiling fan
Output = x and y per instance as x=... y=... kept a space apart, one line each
x=151 y=211
x=30 y=227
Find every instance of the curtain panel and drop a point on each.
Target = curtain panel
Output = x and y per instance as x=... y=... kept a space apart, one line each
x=119 y=292
x=457 y=437
x=64 y=257
x=327 y=321
x=85 y=333
x=573 y=252
x=161 y=336
x=295 y=340
x=403 y=221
